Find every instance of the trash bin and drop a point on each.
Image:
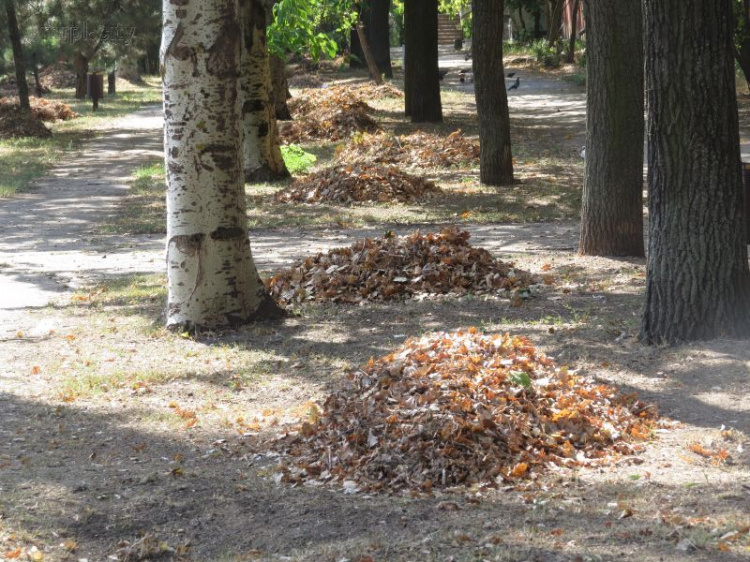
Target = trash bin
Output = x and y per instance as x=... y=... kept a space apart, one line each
x=95 y=87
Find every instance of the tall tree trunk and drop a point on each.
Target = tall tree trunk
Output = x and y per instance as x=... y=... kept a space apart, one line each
x=571 y=58
x=697 y=279
x=421 y=83
x=371 y=66
x=39 y=91
x=18 y=60
x=212 y=279
x=262 y=152
x=537 y=23
x=379 y=35
x=81 y=66
x=554 y=21
x=496 y=160
x=742 y=42
x=612 y=210
x=279 y=88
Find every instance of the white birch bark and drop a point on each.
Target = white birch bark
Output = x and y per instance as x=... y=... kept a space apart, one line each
x=262 y=153
x=212 y=279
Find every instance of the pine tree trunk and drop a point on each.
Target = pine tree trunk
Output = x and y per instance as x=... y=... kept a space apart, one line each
x=496 y=160
x=81 y=66
x=697 y=279
x=212 y=279
x=18 y=59
x=262 y=153
x=421 y=83
x=279 y=88
x=612 y=210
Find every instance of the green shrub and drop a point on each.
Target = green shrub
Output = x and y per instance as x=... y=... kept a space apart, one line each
x=296 y=159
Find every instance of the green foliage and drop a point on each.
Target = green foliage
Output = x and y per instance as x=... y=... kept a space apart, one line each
x=309 y=27
x=520 y=378
x=297 y=160
x=547 y=54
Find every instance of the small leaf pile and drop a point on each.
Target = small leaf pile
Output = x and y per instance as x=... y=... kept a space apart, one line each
x=333 y=113
x=354 y=183
x=459 y=408
x=41 y=108
x=396 y=267
x=423 y=149
x=313 y=101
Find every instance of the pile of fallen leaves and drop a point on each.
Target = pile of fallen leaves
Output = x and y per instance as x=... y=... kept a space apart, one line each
x=41 y=108
x=459 y=408
x=16 y=123
x=396 y=267
x=333 y=112
x=364 y=182
x=312 y=101
x=425 y=149
x=58 y=76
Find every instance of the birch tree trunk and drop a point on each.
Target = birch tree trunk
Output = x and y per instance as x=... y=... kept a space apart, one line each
x=212 y=279
x=697 y=279
x=262 y=152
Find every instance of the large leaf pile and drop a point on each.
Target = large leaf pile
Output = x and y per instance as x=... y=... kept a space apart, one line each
x=41 y=108
x=353 y=183
x=417 y=149
x=459 y=408
x=388 y=268
x=17 y=123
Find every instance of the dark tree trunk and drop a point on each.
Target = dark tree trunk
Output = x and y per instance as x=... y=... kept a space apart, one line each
x=742 y=49
x=35 y=71
x=496 y=160
x=571 y=58
x=280 y=88
x=522 y=20
x=371 y=66
x=697 y=279
x=554 y=21
x=374 y=15
x=421 y=70
x=612 y=210
x=379 y=35
x=111 y=83
x=18 y=60
x=537 y=23
x=81 y=66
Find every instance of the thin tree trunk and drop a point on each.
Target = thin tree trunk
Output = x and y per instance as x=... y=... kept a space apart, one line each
x=81 y=66
x=262 y=153
x=421 y=82
x=371 y=66
x=697 y=278
x=111 y=83
x=35 y=70
x=280 y=88
x=555 y=9
x=212 y=279
x=742 y=49
x=18 y=60
x=537 y=23
x=522 y=21
x=612 y=210
x=496 y=159
x=571 y=58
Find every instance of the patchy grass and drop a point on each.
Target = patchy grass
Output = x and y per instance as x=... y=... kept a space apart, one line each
x=297 y=159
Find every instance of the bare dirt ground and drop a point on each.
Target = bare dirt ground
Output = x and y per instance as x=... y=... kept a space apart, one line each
x=119 y=440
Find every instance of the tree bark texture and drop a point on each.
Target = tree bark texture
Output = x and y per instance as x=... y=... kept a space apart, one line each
x=612 y=209
x=263 y=161
x=422 y=86
x=697 y=280
x=280 y=88
x=496 y=159
x=554 y=20
x=18 y=59
x=374 y=15
x=742 y=47
x=570 y=59
x=212 y=279
x=81 y=66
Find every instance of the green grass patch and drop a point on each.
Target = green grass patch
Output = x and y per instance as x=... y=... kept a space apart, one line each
x=297 y=160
